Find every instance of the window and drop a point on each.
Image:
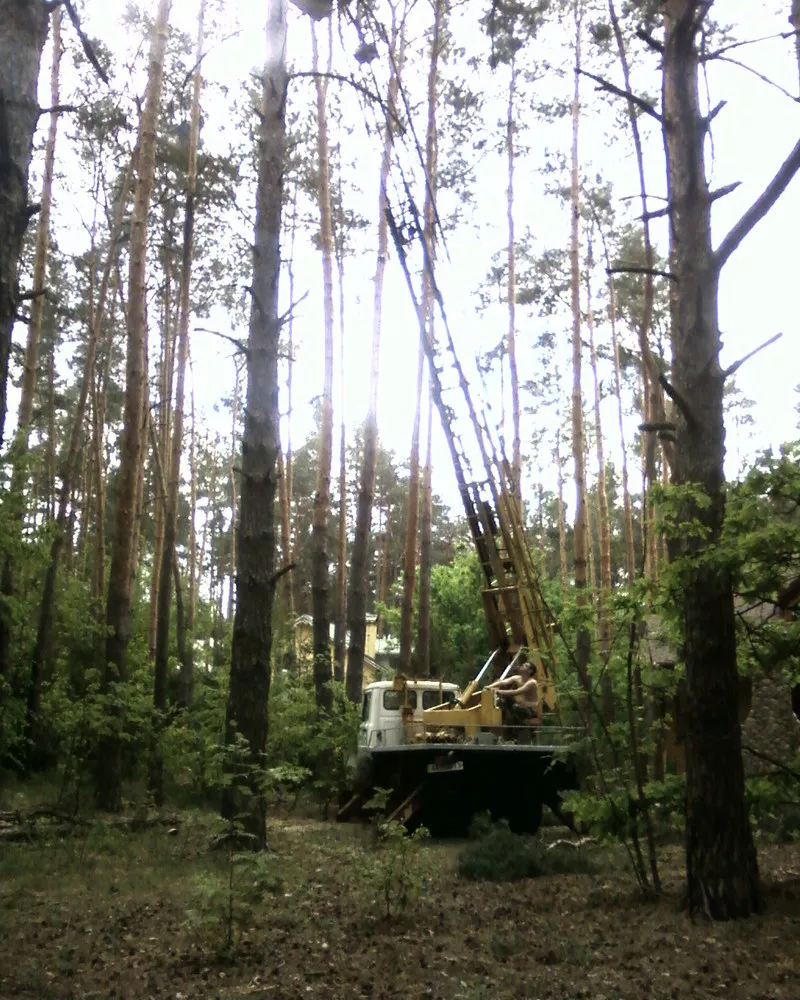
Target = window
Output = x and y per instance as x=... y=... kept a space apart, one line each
x=365 y=706
x=394 y=700
x=432 y=698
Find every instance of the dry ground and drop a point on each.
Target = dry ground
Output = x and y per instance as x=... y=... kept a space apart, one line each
x=118 y=914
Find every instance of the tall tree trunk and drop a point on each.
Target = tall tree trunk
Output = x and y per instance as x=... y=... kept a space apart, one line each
x=425 y=555
x=163 y=439
x=186 y=685
x=20 y=447
x=42 y=250
x=511 y=290
x=583 y=639
x=44 y=632
x=412 y=520
x=118 y=608
x=251 y=650
x=287 y=468
x=234 y=497
x=794 y=20
x=174 y=467
x=721 y=865
x=653 y=406
x=562 y=525
x=603 y=525
x=630 y=556
x=340 y=604
x=21 y=43
x=323 y=671
x=357 y=590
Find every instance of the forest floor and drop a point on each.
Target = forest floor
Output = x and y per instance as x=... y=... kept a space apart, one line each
x=111 y=912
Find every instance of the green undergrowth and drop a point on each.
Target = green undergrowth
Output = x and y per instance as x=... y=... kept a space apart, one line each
x=495 y=854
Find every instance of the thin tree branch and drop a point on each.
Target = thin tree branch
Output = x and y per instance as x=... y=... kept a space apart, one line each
x=85 y=43
x=760 y=207
x=612 y=88
x=282 y=319
x=238 y=344
x=649 y=40
x=750 y=41
x=57 y=109
x=641 y=269
x=761 y=77
x=721 y=192
x=341 y=78
x=679 y=400
x=282 y=572
x=738 y=364
x=772 y=760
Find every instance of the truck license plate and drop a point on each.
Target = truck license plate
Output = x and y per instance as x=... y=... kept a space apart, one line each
x=440 y=766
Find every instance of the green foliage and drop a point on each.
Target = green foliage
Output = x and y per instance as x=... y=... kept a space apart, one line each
x=495 y=854
x=395 y=870
x=774 y=803
x=225 y=902
x=458 y=629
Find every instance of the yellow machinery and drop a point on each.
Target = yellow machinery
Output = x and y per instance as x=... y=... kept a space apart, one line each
x=515 y=609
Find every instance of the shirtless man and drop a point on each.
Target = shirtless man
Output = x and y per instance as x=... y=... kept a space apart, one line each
x=519 y=695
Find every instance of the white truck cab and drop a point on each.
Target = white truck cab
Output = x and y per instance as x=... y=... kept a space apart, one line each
x=389 y=711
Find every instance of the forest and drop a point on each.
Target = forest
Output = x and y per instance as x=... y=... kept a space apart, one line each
x=366 y=349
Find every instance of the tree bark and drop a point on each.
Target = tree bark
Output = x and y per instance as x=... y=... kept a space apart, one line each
x=583 y=639
x=22 y=39
x=248 y=696
x=794 y=20
x=119 y=603
x=340 y=604
x=412 y=520
x=174 y=469
x=234 y=496
x=357 y=590
x=562 y=526
x=44 y=635
x=186 y=685
x=323 y=670
x=630 y=556
x=425 y=556
x=511 y=289
x=721 y=865
x=20 y=446
x=603 y=527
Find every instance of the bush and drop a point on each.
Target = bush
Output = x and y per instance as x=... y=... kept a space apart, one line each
x=495 y=854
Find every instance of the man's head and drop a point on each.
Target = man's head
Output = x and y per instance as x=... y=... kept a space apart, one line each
x=525 y=670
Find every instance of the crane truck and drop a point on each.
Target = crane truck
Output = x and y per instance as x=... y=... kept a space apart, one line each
x=444 y=754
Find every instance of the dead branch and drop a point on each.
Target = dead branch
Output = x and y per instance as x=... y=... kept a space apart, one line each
x=724 y=190
x=238 y=344
x=641 y=269
x=738 y=364
x=739 y=45
x=282 y=572
x=576 y=844
x=774 y=761
x=56 y=109
x=659 y=213
x=760 y=207
x=657 y=427
x=612 y=88
x=649 y=40
x=282 y=319
x=679 y=400
x=762 y=77
x=712 y=114
x=85 y=43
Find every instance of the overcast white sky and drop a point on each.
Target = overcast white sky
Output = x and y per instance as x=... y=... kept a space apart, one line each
x=751 y=137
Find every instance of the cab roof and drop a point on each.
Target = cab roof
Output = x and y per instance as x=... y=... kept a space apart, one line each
x=413 y=685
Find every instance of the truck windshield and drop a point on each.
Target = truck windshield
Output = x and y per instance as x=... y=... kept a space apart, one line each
x=432 y=698
x=365 y=706
x=393 y=700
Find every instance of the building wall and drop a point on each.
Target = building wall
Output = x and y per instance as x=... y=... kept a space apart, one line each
x=771 y=727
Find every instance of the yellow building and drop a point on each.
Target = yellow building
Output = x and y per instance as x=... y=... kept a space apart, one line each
x=304 y=647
